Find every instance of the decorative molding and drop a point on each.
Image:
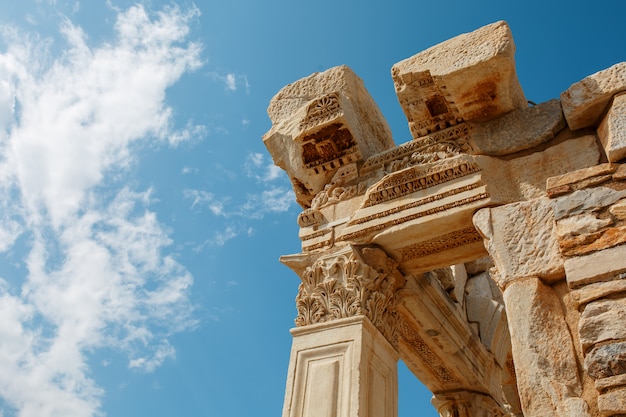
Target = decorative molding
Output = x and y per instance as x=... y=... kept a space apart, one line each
x=423 y=150
x=321 y=111
x=434 y=363
x=417 y=178
x=441 y=243
x=395 y=222
x=345 y=286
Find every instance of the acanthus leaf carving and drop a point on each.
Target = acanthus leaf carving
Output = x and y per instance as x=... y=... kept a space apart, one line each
x=346 y=286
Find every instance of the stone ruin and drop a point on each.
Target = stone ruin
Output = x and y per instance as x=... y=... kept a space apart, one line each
x=488 y=253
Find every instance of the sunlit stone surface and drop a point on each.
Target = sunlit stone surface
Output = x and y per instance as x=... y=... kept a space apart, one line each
x=488 y=252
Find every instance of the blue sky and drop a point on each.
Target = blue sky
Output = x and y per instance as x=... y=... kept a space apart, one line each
x=143 y=219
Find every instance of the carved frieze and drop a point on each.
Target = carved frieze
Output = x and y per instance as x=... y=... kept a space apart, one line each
x=443 y=144
x=321 y=111
x=345 y=286
x=417 y=178
x=442 y=243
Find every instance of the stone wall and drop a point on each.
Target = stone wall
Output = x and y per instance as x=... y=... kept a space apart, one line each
x=488 y=253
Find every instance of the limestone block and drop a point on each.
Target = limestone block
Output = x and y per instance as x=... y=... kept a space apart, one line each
x=581 y=178
x=469 y=77
x=524 y=178
x=584 y=102
x=591 y=292
x=543 y=351
x=580 y=224
x=612 y=129
x=594 y=267
x=320 y=124
x=341 y=368
x=606 y=360
x=602 y=321
x=613 y=402
x=518 y=130
x=610 y=382
x=585 y=200
x=521 y=239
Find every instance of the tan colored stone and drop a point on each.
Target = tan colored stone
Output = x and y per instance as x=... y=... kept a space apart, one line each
x=602 y=321
x=570 y=179
x=592 y=242
x=596 y=266
x=521 y=239
x=341 y=368
x=543 y=352
x=580 y=224
x=524 y=178
x=585 y=101
x=469 y=77
x=518 y=130
x=613 y=402
x=320 y=124
x=612 y=129
x=618 y=210
x=610 y=382
x=598 y=290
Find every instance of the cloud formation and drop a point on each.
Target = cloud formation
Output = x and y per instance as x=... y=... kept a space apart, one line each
x=98 y=272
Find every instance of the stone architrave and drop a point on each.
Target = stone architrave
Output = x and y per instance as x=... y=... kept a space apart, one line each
x=584 y=102
x=612 y=129
x=341 y=368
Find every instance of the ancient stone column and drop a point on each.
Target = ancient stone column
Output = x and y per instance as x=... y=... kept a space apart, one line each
x=343 y=367
x=342 y=362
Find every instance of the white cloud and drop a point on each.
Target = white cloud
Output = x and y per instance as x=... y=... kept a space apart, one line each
x=231 y=80
x=99 y=273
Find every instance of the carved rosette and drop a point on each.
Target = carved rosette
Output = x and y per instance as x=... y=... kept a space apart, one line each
x=346 y=286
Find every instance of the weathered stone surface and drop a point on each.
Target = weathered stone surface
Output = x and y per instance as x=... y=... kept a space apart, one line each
x=518 y=130
x=524 y=178
x=544 y=355
x=320 y=124
x=596 y=266
x=579 y=179
x=602 y=321
x=521 y=239
x=469 y=77
x=591 y=292
x=618 y=210
x=606 y=360
x=610 y=382
x=613 y=402
x=586 y=200
x=612 y=129
x=585 y=101
x=580 y=224
x=585 y=244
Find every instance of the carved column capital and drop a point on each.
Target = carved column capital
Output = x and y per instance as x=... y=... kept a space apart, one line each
x=467 y=404
x=357 y=281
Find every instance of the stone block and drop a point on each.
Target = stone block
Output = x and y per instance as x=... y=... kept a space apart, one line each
x=521 y=239
x=579 y=179
x=518 y=130
x=320 y=124
x=584 y=102
x=613 y=403
x=543 y=351
x=469 y=77
x=612 y=129
x=606 y=360
x=602 y=321
x=592 y=292
x=585 y=200
x=596 y=266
